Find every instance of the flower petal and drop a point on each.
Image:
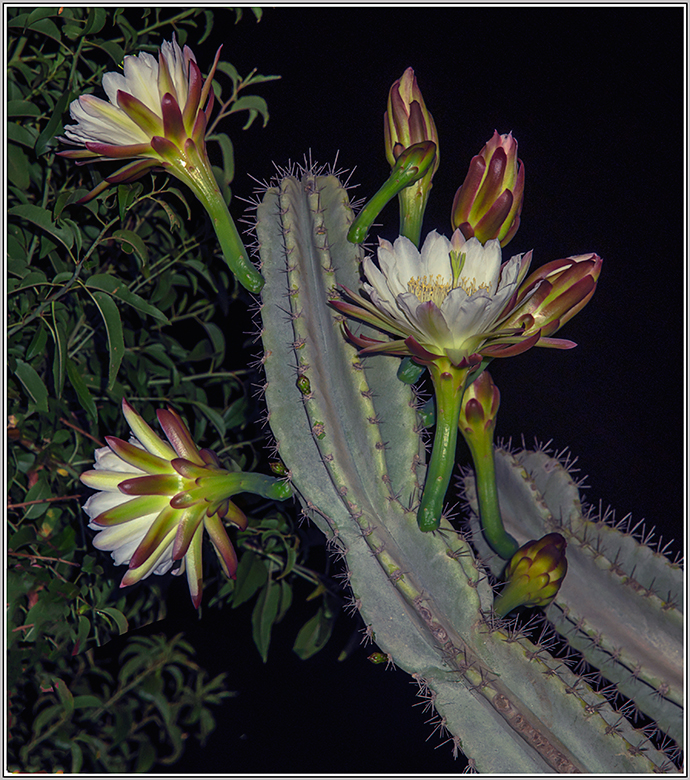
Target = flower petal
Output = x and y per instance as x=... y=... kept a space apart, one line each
x=145 y=433
x=127 y=510
x=222 y=545
x=139 y=458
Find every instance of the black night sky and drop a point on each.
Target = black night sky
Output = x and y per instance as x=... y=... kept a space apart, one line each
x=594 y=96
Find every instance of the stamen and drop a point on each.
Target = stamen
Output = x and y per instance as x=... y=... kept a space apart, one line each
x=436 y=290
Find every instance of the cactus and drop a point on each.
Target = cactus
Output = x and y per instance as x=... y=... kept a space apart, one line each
x=634 y=636
x=351 y=440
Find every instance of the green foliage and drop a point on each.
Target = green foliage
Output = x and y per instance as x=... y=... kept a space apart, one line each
x=127 y=296
x=115 y=721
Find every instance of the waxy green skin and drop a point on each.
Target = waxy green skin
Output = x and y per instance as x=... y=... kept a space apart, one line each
x=356 y=458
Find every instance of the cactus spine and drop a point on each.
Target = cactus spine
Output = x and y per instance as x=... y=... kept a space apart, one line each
x=350 y=439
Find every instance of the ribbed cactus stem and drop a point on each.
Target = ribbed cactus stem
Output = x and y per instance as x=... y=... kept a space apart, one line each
x=348 y=435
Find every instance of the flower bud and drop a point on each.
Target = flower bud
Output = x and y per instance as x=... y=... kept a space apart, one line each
x=534 y=575
x=552 y=295
x=480 y=406
x=489 y=202
x=407 y=121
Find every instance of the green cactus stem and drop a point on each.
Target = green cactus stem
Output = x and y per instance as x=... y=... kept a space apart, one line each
x=621 y=602
x=354 y=456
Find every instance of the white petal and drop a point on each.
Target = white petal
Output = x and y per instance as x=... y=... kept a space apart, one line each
x=178 y=72
x=107 y=480
x=101 y=122
x=435 y=256
x=107 y=460
x=102 y=501
x=482 y=264
x=123 y=539
x=141 y=80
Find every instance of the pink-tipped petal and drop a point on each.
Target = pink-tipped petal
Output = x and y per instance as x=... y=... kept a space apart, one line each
x=152 y=485
x=222 y=545
x=138 y=457
x=193 y=563
x=178 y=435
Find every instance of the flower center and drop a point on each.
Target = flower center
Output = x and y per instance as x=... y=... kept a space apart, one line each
x=436 y=289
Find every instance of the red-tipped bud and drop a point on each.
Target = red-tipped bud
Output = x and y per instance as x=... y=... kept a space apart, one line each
x=554 y=294
x=407 y=120
x=489 y=202
x=480 y=406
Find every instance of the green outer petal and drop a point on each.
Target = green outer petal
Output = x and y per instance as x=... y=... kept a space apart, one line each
x=187 y=526
x=152 y=485
x=160 y=534
x=130 y=510
x=222 y=545
x=134 y=575
x=145 y=433
x=106 y=480
x=140 y=459
x=194 y=567
x=179 y=436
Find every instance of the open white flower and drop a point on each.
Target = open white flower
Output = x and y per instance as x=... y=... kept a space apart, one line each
x=445 y=301
x=155 y=499
x=156 y=116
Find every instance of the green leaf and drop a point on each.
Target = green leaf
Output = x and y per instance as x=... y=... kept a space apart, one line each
x=227 y=151
x=60 y=354
x=251 y=575
x=77 y=757
x=43 y=219
x=216 y=419
x=33 y=384
x=74 y=374
x=18 y=167
x=38 y=342
x=229 y=70
x=22 y=108
x=117 y=617
x=65 y=696
x=21 y=134
x=314 y=634
x=115 y=51
x=119 y=289
x=132 y=242
x=255 y=105
x=48 y=132
x=113 y=326
x=263 y=616
x=46 y=27
x=81 y=702
x=146 y=757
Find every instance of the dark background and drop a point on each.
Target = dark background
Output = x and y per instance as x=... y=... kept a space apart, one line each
x=595 y=98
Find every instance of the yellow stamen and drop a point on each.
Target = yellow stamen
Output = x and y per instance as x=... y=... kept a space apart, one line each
x=436 y=290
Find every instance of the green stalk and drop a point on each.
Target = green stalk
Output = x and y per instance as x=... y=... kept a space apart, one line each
x=449 y=386
x=482 y=450
x=410 y=167
x=200 y=179
x=412 y=206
